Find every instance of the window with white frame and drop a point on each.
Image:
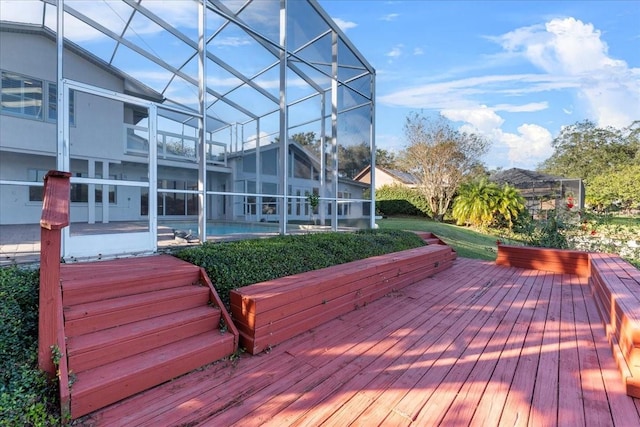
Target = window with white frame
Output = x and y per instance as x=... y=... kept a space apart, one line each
x=32 y=98
x=79 y=192
x=344 y=208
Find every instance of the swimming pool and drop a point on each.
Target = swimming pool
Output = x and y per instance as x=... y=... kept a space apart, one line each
x=223 y=228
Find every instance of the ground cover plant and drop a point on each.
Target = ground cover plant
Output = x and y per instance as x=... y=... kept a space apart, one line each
x=234 y=264
x=25 y=397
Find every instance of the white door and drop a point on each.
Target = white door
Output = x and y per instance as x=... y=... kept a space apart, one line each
x=110 y=149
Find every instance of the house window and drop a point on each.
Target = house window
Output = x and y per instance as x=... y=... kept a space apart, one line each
x=52 y=105
x=250 y=203
x=25 y=96
x=344 y=208
x=79 y=192
x=22 y=95
x=177 y=203
x=269 y=204
x=36 y=193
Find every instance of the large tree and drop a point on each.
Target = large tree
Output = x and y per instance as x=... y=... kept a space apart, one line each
x=440 y=158
x=620 y=187
x=583 y=150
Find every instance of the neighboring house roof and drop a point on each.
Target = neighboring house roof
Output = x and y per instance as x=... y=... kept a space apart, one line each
x=522 y=178
x=403 y=177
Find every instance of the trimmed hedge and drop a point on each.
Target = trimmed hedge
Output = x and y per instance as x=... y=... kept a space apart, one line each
x=231 y=265
x=26 y=397
x=400 y=200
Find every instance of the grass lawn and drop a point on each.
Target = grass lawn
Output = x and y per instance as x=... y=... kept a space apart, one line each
x=628 y=221
x=468 y=243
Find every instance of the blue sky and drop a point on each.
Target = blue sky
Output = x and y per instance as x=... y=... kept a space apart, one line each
x=513 y=71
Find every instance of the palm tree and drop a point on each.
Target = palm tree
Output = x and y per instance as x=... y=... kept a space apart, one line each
x=479 y=203
x=476 y=203
x=509 y=203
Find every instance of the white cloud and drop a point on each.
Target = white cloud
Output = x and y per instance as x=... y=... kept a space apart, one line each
x=395 y=52
x=344 y=25
x=390 y=17
x=531 y=145
x=418 y=51
x=482 y=118
x=230 y=41
x=524 y=108
x=463 y=92
x=574 y=50
x=265 y=139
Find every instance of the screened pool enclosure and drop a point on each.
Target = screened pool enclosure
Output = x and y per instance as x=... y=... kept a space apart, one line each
x=186 y=111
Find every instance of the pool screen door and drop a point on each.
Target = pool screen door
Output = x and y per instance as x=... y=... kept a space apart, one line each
x=110 y=148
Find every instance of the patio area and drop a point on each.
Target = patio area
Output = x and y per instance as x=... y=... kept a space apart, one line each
x=477 y=344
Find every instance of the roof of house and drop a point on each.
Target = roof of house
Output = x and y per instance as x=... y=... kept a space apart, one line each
x=522 y=177
x=132 y=86
x=404 y=177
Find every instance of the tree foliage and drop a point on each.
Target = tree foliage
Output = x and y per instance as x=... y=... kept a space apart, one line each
x=401 y=200
x=585 y=151
x=605 y=158
x=440 y=158
x=620 y=187
x=481 y=203
x=385 y=158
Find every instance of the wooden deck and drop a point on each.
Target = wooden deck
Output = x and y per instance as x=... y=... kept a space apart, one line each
x=477 y=344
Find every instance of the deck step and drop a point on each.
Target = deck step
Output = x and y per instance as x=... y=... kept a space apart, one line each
x=98 y=348
x=117 y=278
x=93 y=316
x=107 y=384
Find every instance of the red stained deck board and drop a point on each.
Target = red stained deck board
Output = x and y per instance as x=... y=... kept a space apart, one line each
x=543 y=403
x=204 y=397
x=570 y=390
x=90 y=317
x=426 y=373
x=489 y=408
x=470 y=362
x=588 y=330
x=373 y=360
x=331 y=363
x=467 y=400
x=604 y=394
x=151 y=406
x=520 y=395
x=546 y=259
x=263 y=297
x=359 y=402
x=95 y=349
x=291 y=303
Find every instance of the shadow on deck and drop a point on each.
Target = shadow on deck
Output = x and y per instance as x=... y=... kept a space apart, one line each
x=477 y=344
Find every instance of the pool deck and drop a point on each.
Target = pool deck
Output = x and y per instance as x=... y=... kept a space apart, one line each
x=20 y=244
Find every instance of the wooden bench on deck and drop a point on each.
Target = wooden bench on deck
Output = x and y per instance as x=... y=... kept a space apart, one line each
x=615 y=285
x=271 y=312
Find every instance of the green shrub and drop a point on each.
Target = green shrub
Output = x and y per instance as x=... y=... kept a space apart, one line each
x=26 y=397
x=401 y=200
x=231 y=265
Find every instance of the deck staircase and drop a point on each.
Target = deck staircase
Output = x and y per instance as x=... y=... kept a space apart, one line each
x=131 y=324
x=432 y=239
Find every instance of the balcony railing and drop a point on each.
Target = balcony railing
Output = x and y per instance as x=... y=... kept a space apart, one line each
x=172 y=146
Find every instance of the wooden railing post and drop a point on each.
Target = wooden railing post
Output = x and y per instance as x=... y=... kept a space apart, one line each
x=55 y=216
